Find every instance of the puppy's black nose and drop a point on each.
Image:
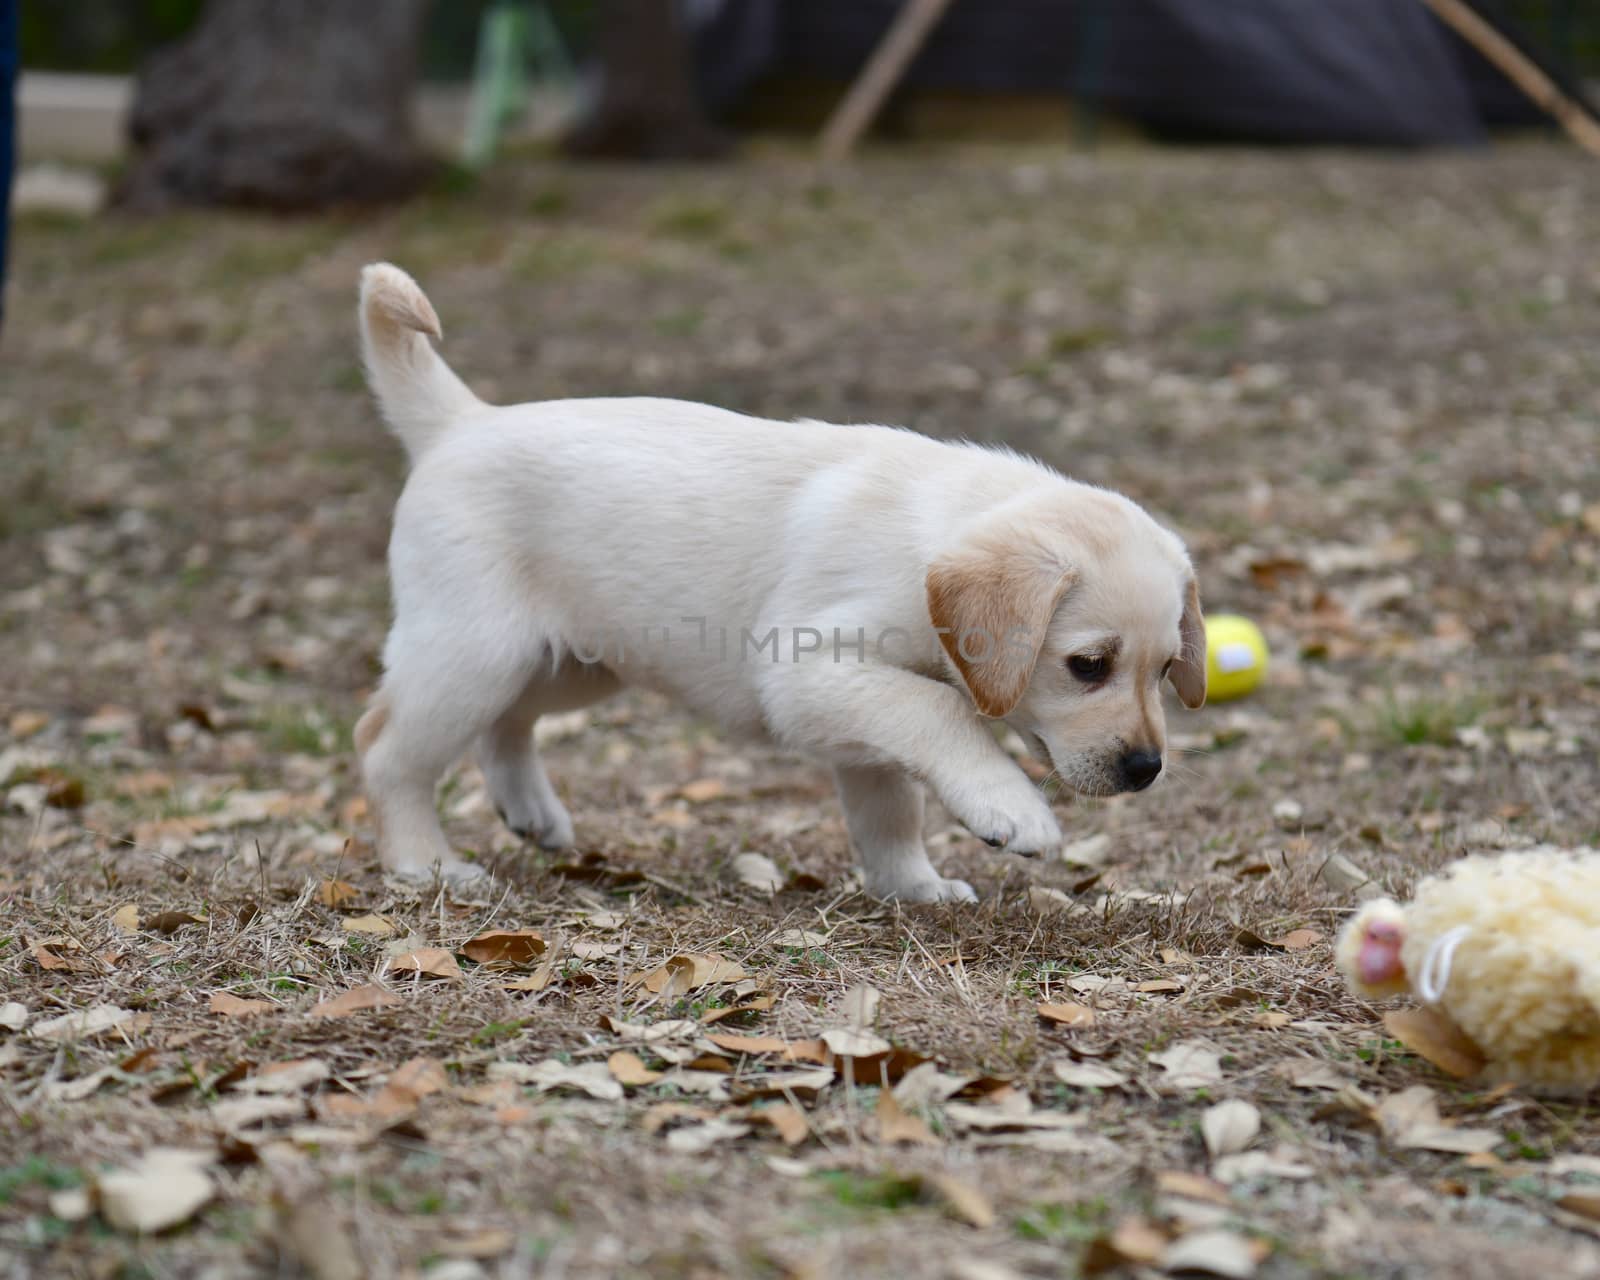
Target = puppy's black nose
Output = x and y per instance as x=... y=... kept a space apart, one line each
x=1140 y=769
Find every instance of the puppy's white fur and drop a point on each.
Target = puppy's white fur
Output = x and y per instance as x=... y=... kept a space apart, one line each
x=545 y=554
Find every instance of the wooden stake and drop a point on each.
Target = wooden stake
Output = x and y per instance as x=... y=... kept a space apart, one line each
x=883 y=71
x=1522 y=71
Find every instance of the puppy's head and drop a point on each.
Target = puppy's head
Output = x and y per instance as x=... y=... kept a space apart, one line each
x=1062 y=614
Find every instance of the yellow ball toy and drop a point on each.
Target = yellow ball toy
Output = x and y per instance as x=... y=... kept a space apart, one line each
x=1236 y=657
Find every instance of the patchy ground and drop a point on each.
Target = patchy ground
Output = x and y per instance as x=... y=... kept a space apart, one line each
x=1365 y=388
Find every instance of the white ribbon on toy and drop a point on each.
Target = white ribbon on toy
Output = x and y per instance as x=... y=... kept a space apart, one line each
x=1435 y=975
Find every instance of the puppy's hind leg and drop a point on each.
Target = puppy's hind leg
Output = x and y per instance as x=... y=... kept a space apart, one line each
x=883 y=811
x=523 y=796
x=436 y=698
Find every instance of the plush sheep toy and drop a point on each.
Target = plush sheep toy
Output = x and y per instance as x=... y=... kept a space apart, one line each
x=1507 y=948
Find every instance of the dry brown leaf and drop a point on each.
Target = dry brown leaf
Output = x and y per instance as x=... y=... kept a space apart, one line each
x=651 y=1032
x=312 y=1232
x=14 y=1015
x=167 y=1186
x=1088 y=1075
x=785 y=1119
x=504 y=947
x=376 y=926
x=1433 y=1036
x=1159 y=986
x=699 y=1138
x=629 y=1069
x=859 y=1008
x=807 y=1051
x=845 y=1043
x=1192 y=1186
x=750 y=1004
x=81 y=1024
x=419 y=1077
x=749 y=1044
x=807 y=1084
x=45 y=952
x=592 y=1078
x=1189 y=1064
x=169 y=921
x=1308 y=1073
x=756 y=871
x=126 y=917
x=1067 y=1015
x=801 y=939
x=231 y=1006
x=897 y=1125
x=1215 y=1253
x=354 y=1001
x=685 y=973
x=428 y=962
x=489 y=1243
x=337 y=893
x=703 y=789
x=1138 y=1240
x=1299 y=940
x=1230 y=1126
x=1258 y=1166
x=964 y=1201
x=1410 y=1119
x=538 y=980
x=1583 y=1203
x=285 y=1077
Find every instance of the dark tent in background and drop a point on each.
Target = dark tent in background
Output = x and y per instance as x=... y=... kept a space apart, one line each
x=1374 y=72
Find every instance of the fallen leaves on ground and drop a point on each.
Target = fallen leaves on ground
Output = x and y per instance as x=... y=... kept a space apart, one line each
x=1189 y=1064
x=232 y=1006
x=285 y=1077
x=1067 y=1015
x=311 y=1231
x=337 y=893
x=896 y=1125
x=167 y=1186
x=427 y=962
x=356 y=1000
x=1087 y=1075
x=756 y=871
x=962 y=1200
x=592 y=1078
x=505 y=947
x=1215 y=1253
x=1229 y=1126
x=81 y=1024
x=629 y=1069
x=374 y=925
x=684 y=973
x=1410 y=1119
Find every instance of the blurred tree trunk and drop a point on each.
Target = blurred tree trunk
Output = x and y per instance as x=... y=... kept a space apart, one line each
x=647 y=108
x=282 y=104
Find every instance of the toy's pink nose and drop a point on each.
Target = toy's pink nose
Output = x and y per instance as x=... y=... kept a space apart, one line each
x=1378 y=961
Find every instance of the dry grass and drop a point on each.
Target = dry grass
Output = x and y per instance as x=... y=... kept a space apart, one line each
x=1365 y=391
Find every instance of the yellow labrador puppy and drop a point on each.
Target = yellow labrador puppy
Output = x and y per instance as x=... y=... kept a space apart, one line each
x=863 y=594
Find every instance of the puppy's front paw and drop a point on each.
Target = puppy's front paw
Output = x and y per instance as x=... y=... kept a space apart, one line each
x=1015 y=818
x=932 y=889
x=456 y=872
x=549 y=830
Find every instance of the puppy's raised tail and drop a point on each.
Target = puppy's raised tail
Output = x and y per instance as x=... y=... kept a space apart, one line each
x=419 y=394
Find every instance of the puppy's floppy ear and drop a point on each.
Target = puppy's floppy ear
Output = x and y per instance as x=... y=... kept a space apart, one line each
x=1188 y=674
x=992 y=602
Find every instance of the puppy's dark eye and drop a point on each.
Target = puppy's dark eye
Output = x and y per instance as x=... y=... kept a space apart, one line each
x=1091 y=668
